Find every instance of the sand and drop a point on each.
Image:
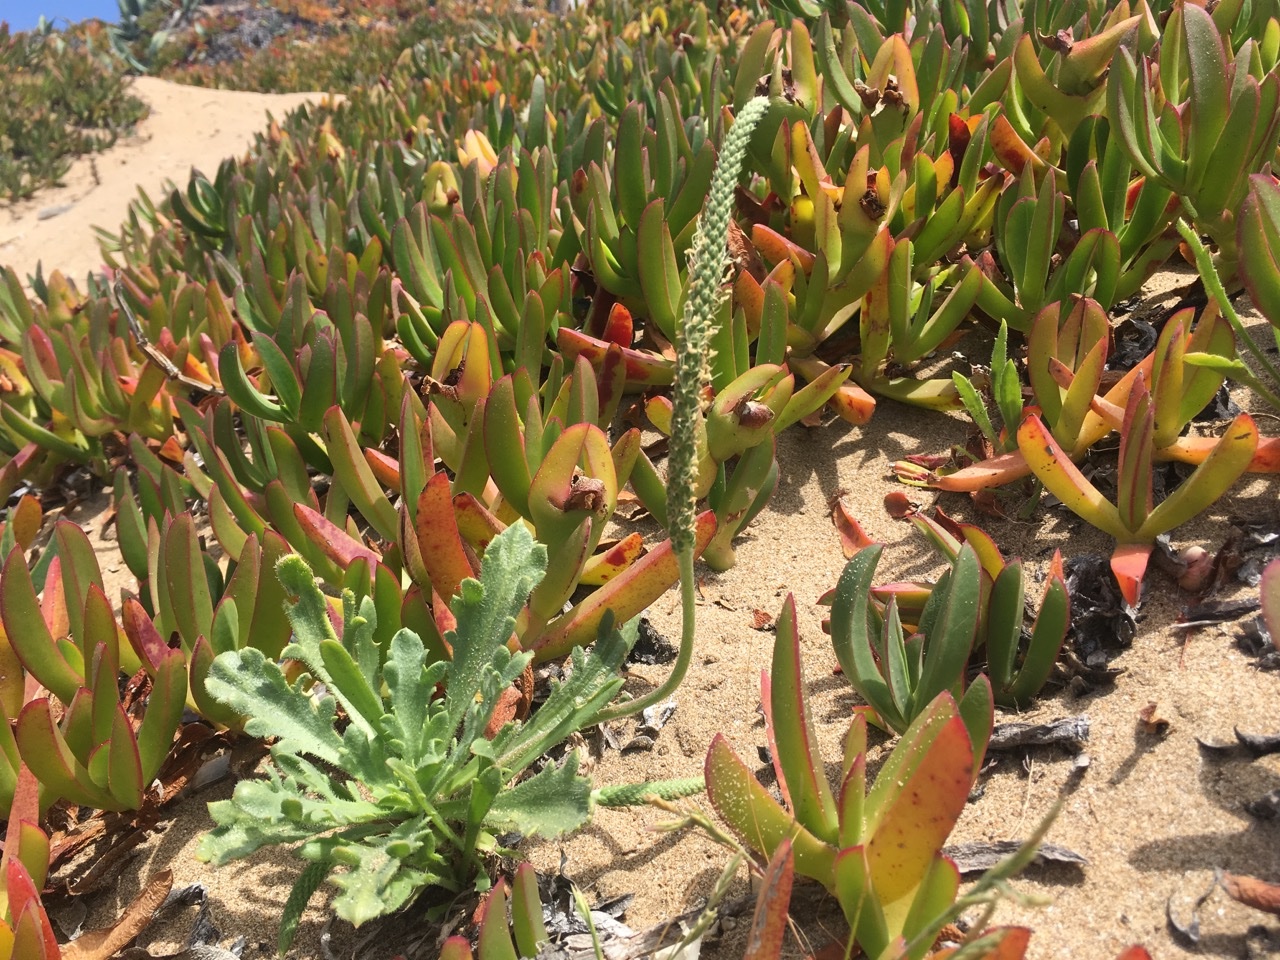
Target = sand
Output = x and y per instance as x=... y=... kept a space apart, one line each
x=1151 y=813
x=187 y=127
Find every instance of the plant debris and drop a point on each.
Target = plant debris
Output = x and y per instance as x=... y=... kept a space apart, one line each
x=1252 y=892
x=1215 y=611
x=980 y=856
x=1188 y=935
x=651 y=647
x=1266 y=807
x=1253 y=744
x=1150 y=721
x=1102 y=625
x=1069 y=732
x=652 y=720
x=852 y=537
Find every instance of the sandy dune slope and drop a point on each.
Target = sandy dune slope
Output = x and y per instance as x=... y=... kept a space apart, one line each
x=188 y=127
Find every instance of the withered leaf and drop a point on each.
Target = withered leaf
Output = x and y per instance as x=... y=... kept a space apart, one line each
x=1266 y=807
x=1071 y=732
x=585 y=493
x=743 y=253
x=103 y=944
x=1188 y=935
x=900 y=506
x=1255 y=744
x=1252 y=892
x=852 y=537
x=1259 y=744
x=980 y=856
x=1152 y=722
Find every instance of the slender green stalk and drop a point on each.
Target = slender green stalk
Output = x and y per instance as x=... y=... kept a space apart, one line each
x=1213 y=285
x=708 y=267
x=688 y=613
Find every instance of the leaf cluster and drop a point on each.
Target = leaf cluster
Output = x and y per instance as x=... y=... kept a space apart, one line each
x=417 y=786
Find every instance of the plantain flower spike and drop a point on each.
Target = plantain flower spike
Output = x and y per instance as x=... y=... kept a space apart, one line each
x=708 y=267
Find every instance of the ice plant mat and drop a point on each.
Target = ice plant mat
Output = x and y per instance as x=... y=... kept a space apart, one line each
x=1152 y=815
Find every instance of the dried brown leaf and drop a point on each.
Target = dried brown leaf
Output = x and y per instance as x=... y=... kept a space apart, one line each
x=103 y=944
x=1152 y=722
x=900 y=506
x=852 y=537
x=1253 y=892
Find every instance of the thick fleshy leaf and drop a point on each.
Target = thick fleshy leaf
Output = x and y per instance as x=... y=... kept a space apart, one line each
x=33 y=934
x=28 y=633
x=45 y=751
x=625 y=596
x=353 y=472
x=1063 y=479
x=853 y=628
x=439 y=542
x=1209 y=481
x=1133 y=481
x=494 y=942
x=915 y=802
x=755 y=816
x=794 y=739
x=526 y=911
x=336 y=543
x=24 y=840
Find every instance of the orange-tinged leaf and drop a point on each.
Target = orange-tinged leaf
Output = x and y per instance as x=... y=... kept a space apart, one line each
x=852 y=537
x=476 y=524
x=1266 y=458
x=994 y=472
x=24 y=840
x=619 y=328
x=32 y=931
x=625 y=595
x=769 y=922
x=1010 y=149
x=643 y=369
x=604 y=566
x=336 y=543
x=1009 y=943
x=386 y=470
x=749 y=295
x=27 y=517
x=438 y=538
x=852 y=404
x=915 y=802
x=1064 y=480
x=776 y=248
x=1129 y=564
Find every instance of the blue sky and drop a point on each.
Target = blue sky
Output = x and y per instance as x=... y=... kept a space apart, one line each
x=23 y=14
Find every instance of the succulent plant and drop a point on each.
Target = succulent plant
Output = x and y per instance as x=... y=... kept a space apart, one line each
x=901 y=678
x=86 y=749
x=878 y=849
